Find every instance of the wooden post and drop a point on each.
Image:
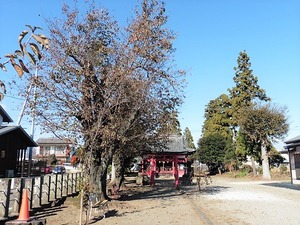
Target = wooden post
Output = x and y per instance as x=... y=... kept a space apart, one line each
x=56 y=187
x=41 y=190
x=49 y=189
x=76 y=182
x=290 y=163
x=61 y=185
x=67 y=187
x=72 y=184
x=32 y=192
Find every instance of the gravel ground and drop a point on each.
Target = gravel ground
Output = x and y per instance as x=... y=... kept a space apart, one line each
x=225 y=201
x=252 y=202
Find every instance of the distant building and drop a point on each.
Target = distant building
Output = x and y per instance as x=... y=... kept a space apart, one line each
x=63 y=149
x=14 y=143
x=293 y=149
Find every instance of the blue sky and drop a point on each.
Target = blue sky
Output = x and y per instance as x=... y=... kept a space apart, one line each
x=211 y=33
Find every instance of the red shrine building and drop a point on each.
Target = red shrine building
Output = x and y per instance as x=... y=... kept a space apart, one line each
x=171 y=161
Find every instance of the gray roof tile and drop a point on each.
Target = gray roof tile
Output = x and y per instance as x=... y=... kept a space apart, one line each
x=293 y=140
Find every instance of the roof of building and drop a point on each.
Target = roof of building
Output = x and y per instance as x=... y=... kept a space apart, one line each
x=175 y=145
x=54 y=141
x=6 y=117
x=294 y=142
x=19 y=133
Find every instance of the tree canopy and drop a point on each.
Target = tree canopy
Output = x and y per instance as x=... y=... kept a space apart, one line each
x=246 y=90
x=217 y=117
x=264 y=124
x=211 y=150
x=109 y=87
x=230 y=112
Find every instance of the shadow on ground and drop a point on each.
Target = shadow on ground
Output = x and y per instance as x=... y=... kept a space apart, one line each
x=287 y=185
x=165 y=188
x=49 y=209
x=212 y=190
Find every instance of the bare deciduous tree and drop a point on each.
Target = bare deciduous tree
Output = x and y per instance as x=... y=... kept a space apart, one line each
x=109 y=87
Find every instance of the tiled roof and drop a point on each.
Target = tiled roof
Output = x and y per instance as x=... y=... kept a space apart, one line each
x=293 y=140
x=55 y=141
x=177 y=144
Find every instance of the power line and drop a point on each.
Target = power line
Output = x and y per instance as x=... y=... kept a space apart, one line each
x=10 y=96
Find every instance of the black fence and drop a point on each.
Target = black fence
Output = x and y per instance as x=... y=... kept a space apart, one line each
x=42 y=191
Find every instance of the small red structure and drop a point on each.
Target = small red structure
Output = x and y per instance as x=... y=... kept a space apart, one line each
x=172 y=161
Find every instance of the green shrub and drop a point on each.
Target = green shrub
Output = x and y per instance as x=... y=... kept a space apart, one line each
x=238 y=173
x=241 y=173
x=246 y=168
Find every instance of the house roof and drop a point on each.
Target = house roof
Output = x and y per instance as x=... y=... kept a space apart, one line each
x=294 y=142
x=54 y=141
x=6 y=117
x=19 y=133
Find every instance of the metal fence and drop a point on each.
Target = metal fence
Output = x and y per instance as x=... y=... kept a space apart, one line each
x=42 y=191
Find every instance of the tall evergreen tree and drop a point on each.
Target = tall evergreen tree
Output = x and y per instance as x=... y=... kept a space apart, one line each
x=173 y=127
x=223 y=114
x=245 y=92
x=217 y=117
x=243 y=95
x=189 y=138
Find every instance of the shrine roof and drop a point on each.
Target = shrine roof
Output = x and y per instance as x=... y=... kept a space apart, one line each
x=175 y=145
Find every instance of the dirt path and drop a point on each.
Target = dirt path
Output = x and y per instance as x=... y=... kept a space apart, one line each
x=226 y=201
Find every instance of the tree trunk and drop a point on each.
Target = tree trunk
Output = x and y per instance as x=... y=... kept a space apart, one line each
x=105 y=161
x=253 y=166
x=119 y=170
x=97 y=174
x=103 y=194
x=233 y=135
x=120 y=176
x=265 y=162
x=113 y=171
x=93 y=172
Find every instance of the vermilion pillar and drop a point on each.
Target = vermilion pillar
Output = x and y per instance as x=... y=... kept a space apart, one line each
x=175 y=169
x=152 y=171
